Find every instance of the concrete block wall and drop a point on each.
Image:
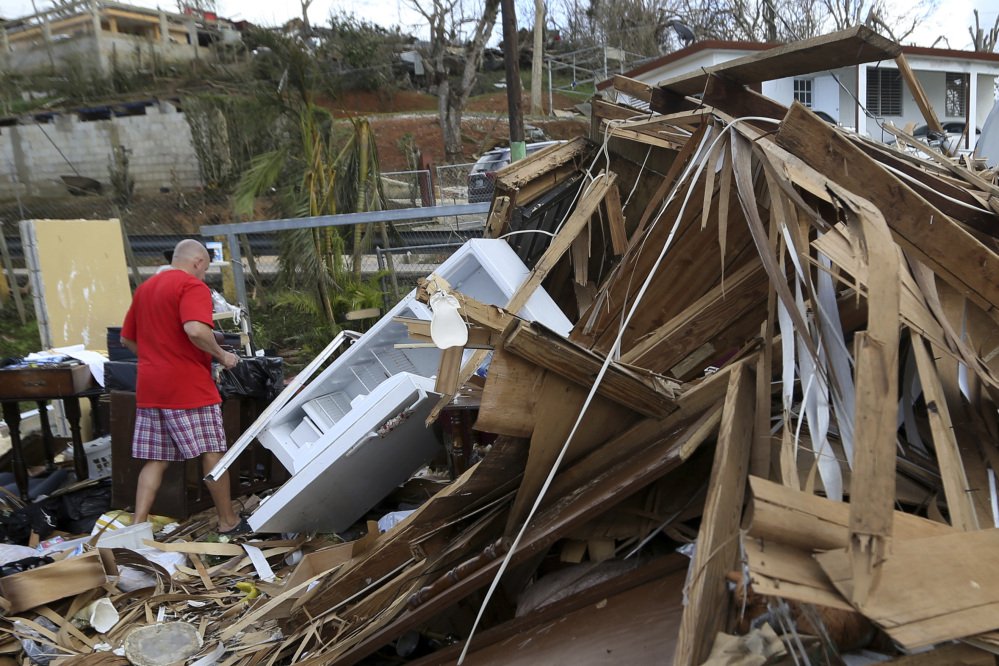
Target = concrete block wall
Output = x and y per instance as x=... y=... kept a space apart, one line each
x=160 y=155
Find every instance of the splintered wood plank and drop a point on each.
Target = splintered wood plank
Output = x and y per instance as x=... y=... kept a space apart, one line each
x=955 y=482
x=838 y=49
x=499 y=216
x=931 y=590
x=644 y=392
x=647 y=138
x=579 y=252
x=922 y=230
x=717 y=539
x=872 y=486
x=675 y=169
x=808 y=522
x=615 y=221
x=916 y=88
x=702 y=320
x=607 y=111
x=784 y=571
x=447 y=373
x=632 y=87
x=509 y=397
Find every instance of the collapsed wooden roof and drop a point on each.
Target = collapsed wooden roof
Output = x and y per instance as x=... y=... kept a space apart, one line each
x=784 y=354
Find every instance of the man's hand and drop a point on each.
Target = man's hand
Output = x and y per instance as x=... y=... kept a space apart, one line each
x=229 y=360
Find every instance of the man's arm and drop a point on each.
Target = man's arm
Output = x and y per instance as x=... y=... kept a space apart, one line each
x=130 y=345
x=202 y=337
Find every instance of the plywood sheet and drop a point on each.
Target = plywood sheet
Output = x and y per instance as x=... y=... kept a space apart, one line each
x=80 y=279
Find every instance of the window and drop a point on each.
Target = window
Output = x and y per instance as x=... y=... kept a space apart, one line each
x=884 y=92
x=956 y=95
x=803 y=91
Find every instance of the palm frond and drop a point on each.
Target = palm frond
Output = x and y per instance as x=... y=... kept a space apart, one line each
x=264 y=173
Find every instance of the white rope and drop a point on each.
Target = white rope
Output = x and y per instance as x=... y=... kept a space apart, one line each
x=613 y=353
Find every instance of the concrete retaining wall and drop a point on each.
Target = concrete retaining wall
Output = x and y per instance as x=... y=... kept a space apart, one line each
x=33 y=157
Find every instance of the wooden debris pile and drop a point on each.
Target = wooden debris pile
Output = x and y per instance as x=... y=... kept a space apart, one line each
x=784 y=366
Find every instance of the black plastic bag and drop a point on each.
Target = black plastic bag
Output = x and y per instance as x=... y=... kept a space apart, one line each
x=83 y=507
x=257 y=377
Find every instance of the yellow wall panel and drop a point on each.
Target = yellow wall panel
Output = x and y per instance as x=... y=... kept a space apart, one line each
x=80 y=266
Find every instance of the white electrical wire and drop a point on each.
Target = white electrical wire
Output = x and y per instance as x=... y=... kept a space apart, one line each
x=611 y=355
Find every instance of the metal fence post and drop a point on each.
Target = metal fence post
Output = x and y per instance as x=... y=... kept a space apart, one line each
x=236 y=259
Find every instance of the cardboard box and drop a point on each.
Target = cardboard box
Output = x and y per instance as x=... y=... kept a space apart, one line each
x=65 y=578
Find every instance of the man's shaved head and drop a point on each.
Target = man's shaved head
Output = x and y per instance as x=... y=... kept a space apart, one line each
x=192 y=257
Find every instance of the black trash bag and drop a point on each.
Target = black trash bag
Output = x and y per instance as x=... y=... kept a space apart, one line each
x=47 y=516
x=259 y=377
x=24 y=564
x=16 y=527
x=83 y=507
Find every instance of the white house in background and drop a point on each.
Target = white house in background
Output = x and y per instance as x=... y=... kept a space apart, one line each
x=961 y=85
x=104 y=35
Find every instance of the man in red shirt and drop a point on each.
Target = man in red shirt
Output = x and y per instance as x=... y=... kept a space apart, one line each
x=169 y=326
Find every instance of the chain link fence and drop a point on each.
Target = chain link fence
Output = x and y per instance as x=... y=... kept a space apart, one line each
x=452 y=183
x=408 y=189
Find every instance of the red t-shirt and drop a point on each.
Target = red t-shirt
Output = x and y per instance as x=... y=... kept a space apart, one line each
x=173 y=373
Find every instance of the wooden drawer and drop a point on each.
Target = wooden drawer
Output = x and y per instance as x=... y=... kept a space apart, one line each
x=30 y=383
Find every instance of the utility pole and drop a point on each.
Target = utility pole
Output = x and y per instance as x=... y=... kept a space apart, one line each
x=538 y=57
x=511 y=56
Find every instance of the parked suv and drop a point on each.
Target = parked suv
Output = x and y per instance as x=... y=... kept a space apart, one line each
x=480 y=178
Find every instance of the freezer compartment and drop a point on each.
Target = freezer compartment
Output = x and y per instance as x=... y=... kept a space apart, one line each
x=359 y=463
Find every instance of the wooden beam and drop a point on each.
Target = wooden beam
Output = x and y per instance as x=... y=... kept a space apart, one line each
x=717 y=539
x=916 y=88
x=499 y=216
x=507 y=406
x=518 y=174
x=955 y=482
x=632 y=87
x=739 y=101
x=645 y=392
x=852 y=46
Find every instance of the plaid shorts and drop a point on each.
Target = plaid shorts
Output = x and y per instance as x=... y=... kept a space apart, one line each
x=177 y=434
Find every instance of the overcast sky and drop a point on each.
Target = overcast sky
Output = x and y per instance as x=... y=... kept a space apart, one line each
x=951 y=19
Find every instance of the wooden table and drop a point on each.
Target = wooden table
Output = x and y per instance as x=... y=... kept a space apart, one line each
x=40 y=385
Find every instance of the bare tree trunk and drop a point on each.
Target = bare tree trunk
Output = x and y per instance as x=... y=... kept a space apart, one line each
x=306 y=25
x=453 y=91
x=538 y=57
x=452 y=132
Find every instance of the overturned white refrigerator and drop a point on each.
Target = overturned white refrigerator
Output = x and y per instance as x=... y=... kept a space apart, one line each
x=357 y=430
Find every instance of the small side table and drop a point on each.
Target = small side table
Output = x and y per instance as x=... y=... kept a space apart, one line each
x=39 y=385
